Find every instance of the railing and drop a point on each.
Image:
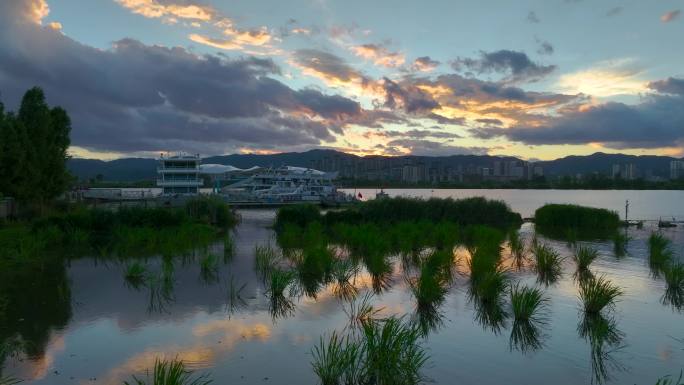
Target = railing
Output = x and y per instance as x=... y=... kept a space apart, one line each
x=171 y=183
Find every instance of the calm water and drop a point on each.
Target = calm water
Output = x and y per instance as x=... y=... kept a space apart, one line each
x=112 y=330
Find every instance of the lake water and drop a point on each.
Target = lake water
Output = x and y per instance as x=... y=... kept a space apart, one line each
x=108 y=330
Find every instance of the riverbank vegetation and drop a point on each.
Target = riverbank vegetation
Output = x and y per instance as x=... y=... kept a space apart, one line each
x=573 y=222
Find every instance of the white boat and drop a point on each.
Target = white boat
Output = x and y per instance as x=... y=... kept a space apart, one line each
x=282 y=185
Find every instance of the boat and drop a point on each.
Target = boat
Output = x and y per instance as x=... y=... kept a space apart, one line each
x=381 y=195
x=275 y=186
x=666 y=224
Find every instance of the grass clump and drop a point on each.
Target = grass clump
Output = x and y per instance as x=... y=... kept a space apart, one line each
x=620 y=241
x=527 y=303
x=209 y=268
x=660 y=254
x=170 y=372
x=558 y=220
x=674 y=294
x=517 y=247
x=385 y=352
x=598 y=294
x=9 y=381
x=548 y=264
x=584 y=256
x=669 y=380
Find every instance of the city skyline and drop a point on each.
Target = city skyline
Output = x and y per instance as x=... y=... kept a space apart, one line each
x=531 y=79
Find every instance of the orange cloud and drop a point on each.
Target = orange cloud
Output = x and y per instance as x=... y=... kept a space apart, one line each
x=155 y=9
x=669 y=16
x=379 y=55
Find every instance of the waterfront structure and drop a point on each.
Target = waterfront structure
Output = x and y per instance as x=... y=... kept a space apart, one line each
x=179 y=174
x=676 y=169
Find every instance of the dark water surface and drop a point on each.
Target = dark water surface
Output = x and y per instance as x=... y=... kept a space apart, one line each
x=114 y=330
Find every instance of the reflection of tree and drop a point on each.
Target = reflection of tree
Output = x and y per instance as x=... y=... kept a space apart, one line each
x=36 y=299
x=604 y=341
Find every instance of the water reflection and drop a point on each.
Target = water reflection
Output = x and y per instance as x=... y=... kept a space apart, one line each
x=526 y=336
x=605 y=340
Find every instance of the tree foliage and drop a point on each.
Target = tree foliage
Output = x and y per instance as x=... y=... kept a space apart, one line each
x=33 y=150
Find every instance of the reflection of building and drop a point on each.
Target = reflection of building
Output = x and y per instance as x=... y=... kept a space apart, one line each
x=179 y=174
x=677 y=169
x=625 y=171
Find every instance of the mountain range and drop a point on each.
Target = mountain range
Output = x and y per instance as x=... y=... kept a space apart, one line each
x=137 y=169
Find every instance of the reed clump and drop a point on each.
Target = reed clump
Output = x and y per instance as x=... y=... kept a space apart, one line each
x=528 y=303
x=597 y=294
x=620 y=242
x=265 y=259
x=385 y=352
x=660 y=254
x=548 y=263
x=136 y=273
x=584 y=256
x=558 y=220
x=170 y=372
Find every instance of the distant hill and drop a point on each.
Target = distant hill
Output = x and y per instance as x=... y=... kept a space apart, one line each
x=136 y=169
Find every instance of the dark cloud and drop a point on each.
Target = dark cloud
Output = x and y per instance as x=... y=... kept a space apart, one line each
x=410 y=98
x=532 y=18
x=422 y=134
x=422 y=147
x=672 y=86
x=515 y=65
x=326 y=65
x=614 y=11
x=491 y=122
x=424 y=64
x=545 y=48
x=656 y=122
x=136 y=97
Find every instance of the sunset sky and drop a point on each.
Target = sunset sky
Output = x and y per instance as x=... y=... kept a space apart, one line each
x=538 y=79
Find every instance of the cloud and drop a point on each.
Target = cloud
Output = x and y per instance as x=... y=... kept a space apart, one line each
x=545 y=48
x=422 y=147
x=614 y=11
x=137 y=97
x=656 y=122
x=670 y=16
x=422 y=134
x=492 y=122
x=515 y=65
x=424 y=64
x=408 y=97
x=605 y=79
x=169 y=9
x=532 y=18
x=668 y=86
x=380 y=55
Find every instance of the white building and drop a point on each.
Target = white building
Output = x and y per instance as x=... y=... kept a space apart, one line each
x=677 y=169
x=179 y=174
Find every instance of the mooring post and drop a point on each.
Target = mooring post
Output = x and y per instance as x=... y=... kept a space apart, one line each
x=626 y=210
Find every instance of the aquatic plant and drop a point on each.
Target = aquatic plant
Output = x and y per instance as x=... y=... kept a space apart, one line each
x=584 y=256
x=343 y=273
x=669 y=380
x=660 y=253
x=392 y=353
x=170 y=372
x=228 y=248
x=548 y=264
x=573 y=222
x=604 y=341
x=315 y=268
x=620 y=241
x=362 y=311
x=516 y=245
x=209 y=268
x=598 y=293
x=135 y=274
x=279 y=280
x=528 y=303
x=674 y=276
x=338 y=361
x=212 y=210
x=265 y=259
x=300 y=215
x=9 y=380
x=234 y=296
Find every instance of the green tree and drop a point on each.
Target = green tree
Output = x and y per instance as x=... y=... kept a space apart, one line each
x=33 y=150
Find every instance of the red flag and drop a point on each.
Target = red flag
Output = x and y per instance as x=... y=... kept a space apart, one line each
x=360 y=196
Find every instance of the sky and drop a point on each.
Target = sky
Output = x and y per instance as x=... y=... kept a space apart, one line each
x=536 y=79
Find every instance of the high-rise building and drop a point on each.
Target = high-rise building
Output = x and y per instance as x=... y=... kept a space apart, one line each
x=677 y=169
